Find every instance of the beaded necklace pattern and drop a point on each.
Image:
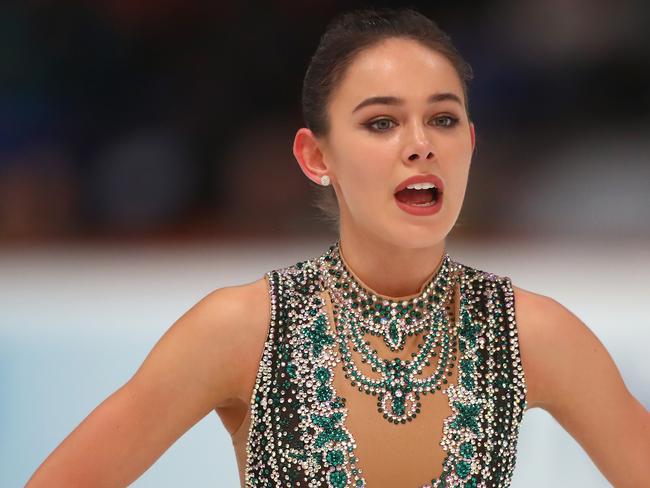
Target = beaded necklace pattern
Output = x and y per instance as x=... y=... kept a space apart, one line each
x=392 y=320
x=298 y=435
x=355 y=312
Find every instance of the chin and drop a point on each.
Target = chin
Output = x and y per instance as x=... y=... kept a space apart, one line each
x=415 y=236
x=419 y=232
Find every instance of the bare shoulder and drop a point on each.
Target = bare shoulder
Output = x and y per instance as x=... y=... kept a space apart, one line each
x=554 y=342
x=243 y=306
x=245 y=301
x=241 y=316
x=210 y=351
x=529 y=308
x=543 y=324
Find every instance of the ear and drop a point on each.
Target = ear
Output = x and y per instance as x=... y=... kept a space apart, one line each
x=308 y=153
x=472 y=132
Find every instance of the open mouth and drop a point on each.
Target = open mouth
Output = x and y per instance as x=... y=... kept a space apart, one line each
x=425 y=197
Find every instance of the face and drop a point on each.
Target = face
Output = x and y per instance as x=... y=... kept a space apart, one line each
x=372 y=149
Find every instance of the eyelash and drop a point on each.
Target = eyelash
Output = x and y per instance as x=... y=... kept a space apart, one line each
x=454 y=122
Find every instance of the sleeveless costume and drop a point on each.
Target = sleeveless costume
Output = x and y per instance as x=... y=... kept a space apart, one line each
x=300 y=430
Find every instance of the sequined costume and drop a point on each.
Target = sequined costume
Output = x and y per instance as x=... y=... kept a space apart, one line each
x=307 y=426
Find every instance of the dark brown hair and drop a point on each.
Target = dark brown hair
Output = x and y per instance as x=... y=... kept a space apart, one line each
x=348 y=34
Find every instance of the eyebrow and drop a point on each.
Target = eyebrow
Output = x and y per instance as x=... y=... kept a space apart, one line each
x=388 y=100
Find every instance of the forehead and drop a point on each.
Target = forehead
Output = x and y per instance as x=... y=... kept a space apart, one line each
x=397 y=67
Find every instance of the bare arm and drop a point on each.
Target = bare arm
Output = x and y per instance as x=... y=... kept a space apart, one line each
x=575 y=379
x=188 y=373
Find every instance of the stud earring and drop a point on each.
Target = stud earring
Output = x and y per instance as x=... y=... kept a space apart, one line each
x=324 y=180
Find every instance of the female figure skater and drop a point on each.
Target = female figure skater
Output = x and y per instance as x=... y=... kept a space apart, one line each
x=382 y=362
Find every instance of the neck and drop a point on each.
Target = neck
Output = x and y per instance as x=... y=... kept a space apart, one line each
x=390 y=271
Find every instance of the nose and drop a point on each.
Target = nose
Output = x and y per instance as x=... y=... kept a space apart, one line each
x=417 y=155
x=419 y=147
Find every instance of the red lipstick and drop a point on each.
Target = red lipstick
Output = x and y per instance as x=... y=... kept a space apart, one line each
x=421 y=209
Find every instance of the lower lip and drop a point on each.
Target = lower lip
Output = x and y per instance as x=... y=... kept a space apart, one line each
x=420 y=211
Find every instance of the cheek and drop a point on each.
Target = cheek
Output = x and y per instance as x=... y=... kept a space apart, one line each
x=457 y=177
x=365 y=173
x=364 y=185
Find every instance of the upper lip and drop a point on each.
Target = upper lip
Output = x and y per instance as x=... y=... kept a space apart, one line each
x=420 y=179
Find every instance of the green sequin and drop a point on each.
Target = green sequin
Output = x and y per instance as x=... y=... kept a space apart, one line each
x=467 y=450
x=338 y=478
x=467 y=416
x=335 y=457
x=318 y=335
x=471 y=483
x=323 y=393
x=291 y=369
x=322 y=374
x=331 y=430
x=463 y=468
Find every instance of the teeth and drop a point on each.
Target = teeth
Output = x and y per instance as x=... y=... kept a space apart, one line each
x=421 y=186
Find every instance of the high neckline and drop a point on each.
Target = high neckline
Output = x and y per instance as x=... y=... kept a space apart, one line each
x=433 y=276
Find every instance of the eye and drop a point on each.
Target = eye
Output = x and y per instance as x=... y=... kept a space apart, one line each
x=448 y=121
x=382 y=125
x=379 y=125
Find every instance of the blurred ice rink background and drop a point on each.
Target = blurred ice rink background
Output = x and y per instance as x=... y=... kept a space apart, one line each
x=145 y=160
